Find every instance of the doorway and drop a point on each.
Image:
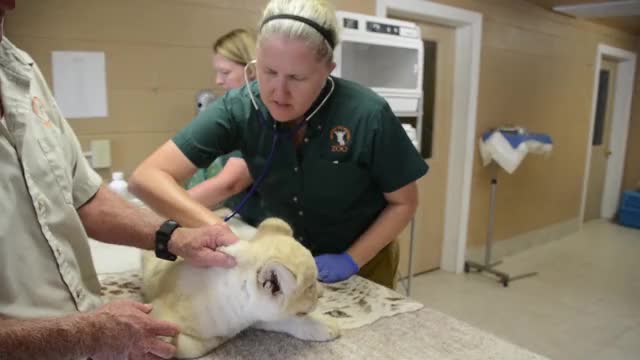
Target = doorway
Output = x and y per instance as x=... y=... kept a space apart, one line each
x=437 y=86
x=600 y=150
x=466 y=69
x=615 y=141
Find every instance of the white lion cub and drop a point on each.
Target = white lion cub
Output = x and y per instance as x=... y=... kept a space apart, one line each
x=272 y=287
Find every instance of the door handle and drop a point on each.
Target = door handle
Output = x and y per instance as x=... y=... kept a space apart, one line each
x=608 y=153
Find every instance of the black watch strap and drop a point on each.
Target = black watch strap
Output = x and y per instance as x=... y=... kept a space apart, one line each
x=163 y=235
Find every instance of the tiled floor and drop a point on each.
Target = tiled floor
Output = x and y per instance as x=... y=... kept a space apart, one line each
x=583 y=304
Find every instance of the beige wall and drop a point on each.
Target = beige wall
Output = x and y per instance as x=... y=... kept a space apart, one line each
x=537 y=70
x=157 y=54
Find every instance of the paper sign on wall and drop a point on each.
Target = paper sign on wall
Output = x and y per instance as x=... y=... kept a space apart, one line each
x=79 y=83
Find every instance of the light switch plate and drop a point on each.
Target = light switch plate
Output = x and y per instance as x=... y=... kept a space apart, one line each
x=101 y=151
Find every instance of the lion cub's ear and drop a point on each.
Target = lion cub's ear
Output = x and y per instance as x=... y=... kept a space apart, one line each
x=275 y=226
x=276 y=279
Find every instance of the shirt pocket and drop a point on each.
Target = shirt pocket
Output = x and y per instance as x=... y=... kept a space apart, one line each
x=59 y=168
x=335 y=186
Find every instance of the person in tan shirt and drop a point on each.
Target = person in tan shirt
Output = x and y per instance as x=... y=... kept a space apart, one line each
x=51 y=201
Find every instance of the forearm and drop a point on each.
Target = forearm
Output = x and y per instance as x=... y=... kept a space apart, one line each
x=109 y=218
x=233 y=178
x=211 y=192
x=71 y=337
x=162 y=193
x=391 y=221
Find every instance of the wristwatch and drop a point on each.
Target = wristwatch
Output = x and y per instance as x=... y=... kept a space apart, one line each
x=163 y=235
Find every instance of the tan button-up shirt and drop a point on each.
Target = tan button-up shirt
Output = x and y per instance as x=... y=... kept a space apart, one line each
x=45 y=261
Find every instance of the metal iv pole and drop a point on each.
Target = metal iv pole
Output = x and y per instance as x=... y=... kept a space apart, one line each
x=503 y=277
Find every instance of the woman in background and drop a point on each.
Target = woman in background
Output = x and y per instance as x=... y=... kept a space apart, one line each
x=225 y=180
x=231 y=53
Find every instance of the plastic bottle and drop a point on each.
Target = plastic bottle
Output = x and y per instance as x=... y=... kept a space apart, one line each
x=119 y=185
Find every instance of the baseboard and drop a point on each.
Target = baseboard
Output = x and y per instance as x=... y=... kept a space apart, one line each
x=524 y=241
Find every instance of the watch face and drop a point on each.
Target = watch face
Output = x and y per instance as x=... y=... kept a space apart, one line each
x=169 y=225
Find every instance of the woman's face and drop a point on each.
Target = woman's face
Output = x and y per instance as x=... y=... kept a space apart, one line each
x=229 y=74
x=290 y=76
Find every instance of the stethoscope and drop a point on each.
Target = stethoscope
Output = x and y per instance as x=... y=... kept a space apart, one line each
x=277 y=134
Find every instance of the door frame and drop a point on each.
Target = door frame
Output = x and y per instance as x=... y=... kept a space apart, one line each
x=622 y=97
x=466 y=74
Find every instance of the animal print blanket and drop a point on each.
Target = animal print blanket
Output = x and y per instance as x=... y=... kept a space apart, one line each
x=353 y=303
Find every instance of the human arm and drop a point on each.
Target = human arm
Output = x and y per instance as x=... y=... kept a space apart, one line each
x=109 y=218
x=118 y=330
x=401 y=206
x=158 y=179
x=232 y=179
x=157 y=182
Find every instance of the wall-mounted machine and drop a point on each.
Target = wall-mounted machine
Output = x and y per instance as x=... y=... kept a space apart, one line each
x=385 y=55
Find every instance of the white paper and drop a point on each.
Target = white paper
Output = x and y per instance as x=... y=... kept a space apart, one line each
x=79 y=83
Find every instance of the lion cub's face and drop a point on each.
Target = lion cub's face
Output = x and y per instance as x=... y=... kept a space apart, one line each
x=286 y=272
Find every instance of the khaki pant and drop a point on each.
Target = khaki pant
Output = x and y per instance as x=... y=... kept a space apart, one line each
x=383 y=268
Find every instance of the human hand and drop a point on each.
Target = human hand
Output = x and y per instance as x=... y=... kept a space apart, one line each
x=335 y=267
x=130 y=333
x=199 y=246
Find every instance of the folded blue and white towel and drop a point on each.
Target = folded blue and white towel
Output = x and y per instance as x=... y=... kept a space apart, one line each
x=508 y=147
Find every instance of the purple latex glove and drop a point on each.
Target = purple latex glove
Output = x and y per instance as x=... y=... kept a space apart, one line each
x=335 y=267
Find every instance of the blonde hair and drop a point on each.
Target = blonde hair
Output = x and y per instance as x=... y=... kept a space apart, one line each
x=319 y=11
x=238 y=45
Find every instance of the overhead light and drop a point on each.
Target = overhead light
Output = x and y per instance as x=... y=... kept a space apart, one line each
x=601 y=10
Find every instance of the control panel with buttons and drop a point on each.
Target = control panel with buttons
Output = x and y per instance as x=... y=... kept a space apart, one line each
x=383 y=28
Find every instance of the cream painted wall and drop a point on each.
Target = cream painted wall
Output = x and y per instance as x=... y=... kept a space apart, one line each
x=158 y=56
x=631 y=178
x=537 y=70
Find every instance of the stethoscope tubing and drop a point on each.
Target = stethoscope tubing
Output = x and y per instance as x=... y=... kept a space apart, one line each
x=277 y=134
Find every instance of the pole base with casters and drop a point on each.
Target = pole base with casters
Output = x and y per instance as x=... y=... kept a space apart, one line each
x=503 y=277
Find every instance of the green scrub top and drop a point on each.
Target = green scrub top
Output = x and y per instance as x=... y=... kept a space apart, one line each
x=331 y=188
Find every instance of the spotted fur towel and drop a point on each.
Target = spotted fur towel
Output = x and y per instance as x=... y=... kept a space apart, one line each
x=353 y=303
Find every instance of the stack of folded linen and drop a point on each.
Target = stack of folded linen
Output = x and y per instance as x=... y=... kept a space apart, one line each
x=509 y=146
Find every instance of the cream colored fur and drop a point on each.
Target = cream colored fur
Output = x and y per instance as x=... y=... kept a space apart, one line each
x=272 y=287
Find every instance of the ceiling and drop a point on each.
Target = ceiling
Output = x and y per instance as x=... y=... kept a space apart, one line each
x=600 y=14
